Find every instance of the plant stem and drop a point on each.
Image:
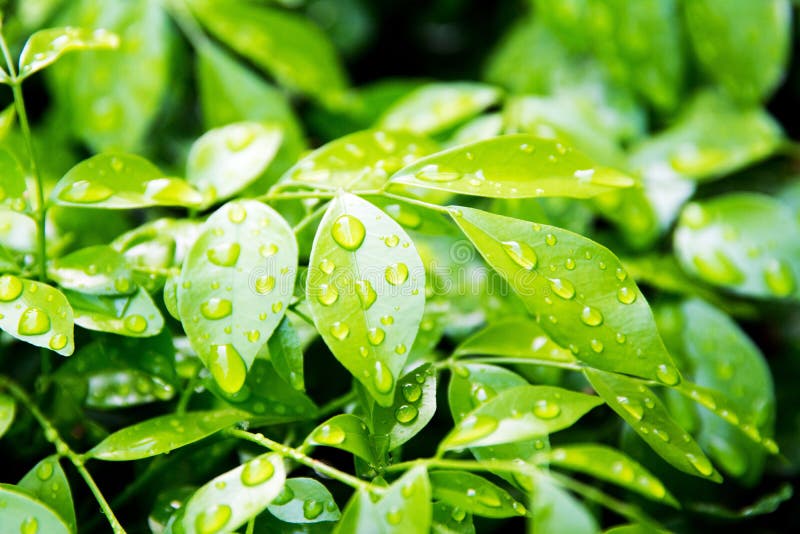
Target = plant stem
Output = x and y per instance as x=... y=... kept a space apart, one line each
x=517 y=361
x=299 y=457
x=420 y=203
x=63 y=449
x=335 y=405
x=464 y=465
x=309 y=218
x=296 y=194
x=186 y=394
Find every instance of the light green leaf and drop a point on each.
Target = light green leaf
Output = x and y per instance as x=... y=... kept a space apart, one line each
x=171 y=297
x=121 y=181
x=512 y=166
x=742 y=45
x=46 y=46
x=12 y=181
x=236 y=282
x=158 y=245
x=36 y=313
x=449 y=520
x=163 y=434
x=133 y=315
x=226 y=160
x=366 y=291
x=24 y=513
x=228 y=501
x=286 y=354
x=403 y=508
x=473 y=494
x=96 y=270
x=17 y=231
x=304 y=500
x=478 y=129
x=346 y=432
x=611 y=466
x=359 y=161
x=435 y=107
x=644 y=412
x=578 y=291
x=730 y=241
x=517 y=414
x=413 y=408
x=8 y=408
x=555 y=510
x=7 y=119
x=292 y=49
x=47 y=482
x=515 y=338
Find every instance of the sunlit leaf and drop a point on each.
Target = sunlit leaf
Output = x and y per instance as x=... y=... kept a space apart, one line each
x=97 y=270
x=346 y=432
x=515 y=338
x=12 y=181
x=473 y=494
x=47 y=482
x=24 y=513
x=36 y=313
x=304 y=500
x=555 y=510
x=46 y=46
x=135 y=315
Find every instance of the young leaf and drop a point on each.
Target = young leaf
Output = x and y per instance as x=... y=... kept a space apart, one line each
x=46 y=46
x=413 y=408
x=359 y=161
x=435 y=107
x=36 y=313
x=346 y=432
x=24 y=513
x=228 y=501
x=612 y=466
x=515 y=338
x=12 y=181
x=133 y=315
x=17 y=231
x=366 y=290
x=226 y=160
x=47 y=482
x=235 y=285
x=304 y=500
x=121 y=181
x=449 y=520
x=578 y=290
x=286 y=354
x=644 y=412
x=473 y=494
x=403 y=508
x=555 y=510
x=96 y=270
x=8 y=408
x=512 y=166
x=730 y=241
x=517 y=414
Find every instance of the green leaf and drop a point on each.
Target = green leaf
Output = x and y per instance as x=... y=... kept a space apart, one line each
x=36 y=313
x=512 y=166
x=228 y=501
x=644 y=412
x=46 y=46
x=578 y=291
x=765 y=505
x=413 y=408
x=304 y=500
x=24 y=513
x=162 y=434
x=611 y=466
x=346 y=432
x=286 y=354
x=359 y=161
x=226 y=160
x=555 y=510
x=730 y=241
x=403 y=508
x=12 y=181
x=236 y=282
x=292 y=49
x=8 y=408
x=134 y=315
x=17 y=231
x=435 y=107
x=366 y=290
x=515 y=338
x=121 y=181
x=47 y=482
x=517 y=414
x=742 y=45
x=7 y=119
x=449 y=520
x=171 y=297
x=96 y=270
x=473 y=494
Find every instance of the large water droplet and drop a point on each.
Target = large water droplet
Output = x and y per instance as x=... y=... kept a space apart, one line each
x=29 y=526
x=382 y=378
x=329 y=434
x=411 y=392
x=471 y=429
x=394 y=516
x=694 y=216
x=562 y=287
x=701 y=464
x=257 y=471
x=376 y=336
x=286 y=495
x=225 y=254
x=312 y=509
x=327 y=266
x=668 y=374
x=264 y=284
x=521 y=254
x=340 y=330
x=545 y=409
x=597 y=345
x=391 y=241
x=10 y=287
x=33 y=321
x=236 y=213
x=213 y=519
x=626 y=295
x=216 y=308
x=85 y=192
x=348 y=232
x=327 y=294
x=481 y=393
x=406 y=413
x=591 y=316
x=633 y=408
x=135 y=323
x=366 y=293
x=779 y=278
x=397 y=273
x=227 y=367
x=45 y=470
x=387 y=320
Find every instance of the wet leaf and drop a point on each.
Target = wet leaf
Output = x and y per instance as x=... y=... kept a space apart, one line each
x=134 y=316
x=286 y=354
x=96 y=270
x=8 y=409
x=46 y=46
x=25 y=514
x=12 y=181
x=36 y=313
x=47 y=482
x=473 y=494
x=346 y=432
x=555 y=510
x=515 y=338
x=304 y=500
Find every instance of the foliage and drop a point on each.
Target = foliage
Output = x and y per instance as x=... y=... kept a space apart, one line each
x=556 y=295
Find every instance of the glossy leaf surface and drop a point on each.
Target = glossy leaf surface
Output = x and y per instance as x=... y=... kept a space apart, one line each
x=97 y=270
x=346 y=432
x=47 y=482
x=473 y=494
x=46 y=46
x=515 y=338
x=24 y=513
x=413 y=408
x=135 y=315
x=304 y=500
x=554 y=509
x=12 y=181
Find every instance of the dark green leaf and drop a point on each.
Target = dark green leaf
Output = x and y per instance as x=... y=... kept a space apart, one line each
x=555 y=510
x=304 y=500
x=24 y=513
x=286 y=354
x=47 y=482
x=449 y=520
x=473 y=494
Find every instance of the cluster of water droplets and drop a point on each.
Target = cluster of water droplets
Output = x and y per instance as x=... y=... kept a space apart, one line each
x=33 y=320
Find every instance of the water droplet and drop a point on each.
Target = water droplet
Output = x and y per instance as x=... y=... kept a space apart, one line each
x=620 y=337
x=327 y=294
x=569 y=263
x=224 y=255
x=668 y=374
x=375 y=336
x=329 y=434
x=545 y=409
x=265 y=251
x=213 y=519
x=626 y=295
x=348 y=232
x=387 y=320
x=562 y=287
x=472 y=429
x=437 y=173
x=596 y=345
x=236 y=213
x=277 y=307
x=227 y=367
x=400 y=349
x=340 y=330
x=411 y=392
x=458 y=515
x=391 y=241
x=623 y=471
x=366 y=294
x=394 y=516
x=550 y=239
x=481 y=393
x=29 y=526
x=718 y=268
x=253 y=336
x=405 y=414
x=779 y=278
x=216 y=308
x=45 y=470
x=312 y=508
x=10 y=287
x=632 y=407
x=521 y=254
x=286 y=495
x=663 y=436
x=397 y=273
x=58 y=342
x=591 y=316
x=694 y=216
x=621 y=274
x=85 y=192
x=264 y=284
x=701 y=464
x=326 y=266
x=33 y=322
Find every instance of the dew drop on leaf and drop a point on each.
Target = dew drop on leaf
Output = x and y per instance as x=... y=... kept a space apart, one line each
x=366 y=293
x=236 y=213
x=406 y=413
x=29 y=526
x=327 y=294
x=596 y=345
x=329 y=435
x=544 y=409
x=213 y=519
x=45 y=471
x=326 y=266
x=264 y=284
x=437 y=173
x=286 y=495
x=668 y=374
x=382 y=378
x=33 y=321
x=340 y=330
x=633 y=408
x=591 y=316
x=135 y=323
x=562 y=287
x=216 y=308
x=224 y=255
x=473 y=428
x=85 y=192
x=779 y=278
x=312 y=508
x=257 y=471
x=626 y=295
x=10 y=287
x=397 y=273
x=227 y=367
x=521 y=254
x=411 y=392
x=701 y=464
x=387 y=320
x=348 y=232
x=376 y=336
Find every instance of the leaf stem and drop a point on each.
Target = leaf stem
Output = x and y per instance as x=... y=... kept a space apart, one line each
x=420 y=203
x=296 y=194
x=300 y=226
x=63 y=449
x=335 y=405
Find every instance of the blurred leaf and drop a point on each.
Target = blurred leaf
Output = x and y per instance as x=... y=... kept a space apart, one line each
x=346 y=432
x=765 y=505
x=473 y=494
x=8 y=409
x=12 y=181
x=555 y=510
x=97 y=270
x=449 y=520
x=286 y=354
x=46 y=46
